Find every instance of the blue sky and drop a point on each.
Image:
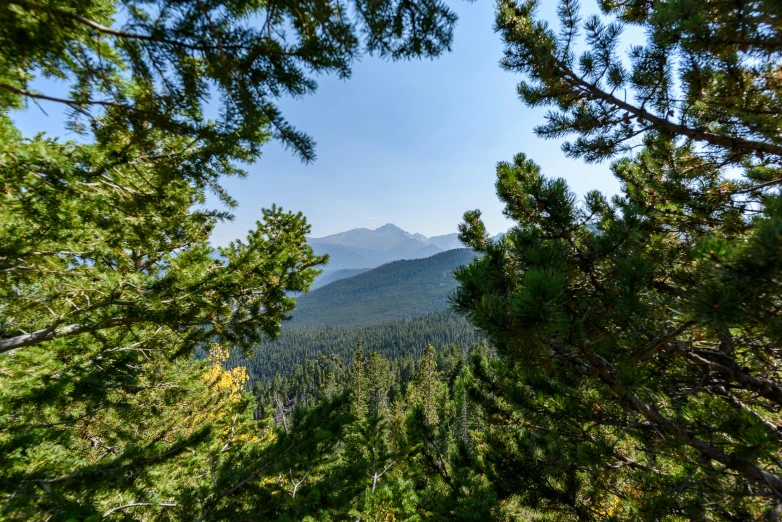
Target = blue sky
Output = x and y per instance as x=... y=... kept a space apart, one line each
x=409 y=143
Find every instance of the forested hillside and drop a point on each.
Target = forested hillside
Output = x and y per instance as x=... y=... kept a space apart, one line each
x=397 y=290
x=393 y=340
x=410 y=436
x=329 y=375
x=396 y=310
x=329 y=276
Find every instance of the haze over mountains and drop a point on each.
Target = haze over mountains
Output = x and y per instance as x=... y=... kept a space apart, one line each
x=396 y=290
x=365 y=248
x=329 y=276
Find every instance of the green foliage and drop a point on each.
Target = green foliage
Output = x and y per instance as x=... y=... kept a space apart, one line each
x=426 y=391
x=358 y=385
x=393 y=291
x=393 y=340
x=71 y=435
x=108 y=284
x=378 y=384
x=634 y=365
x=393 y=463
x=637 y=338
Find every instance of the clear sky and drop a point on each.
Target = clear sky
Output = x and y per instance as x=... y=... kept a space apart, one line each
x=409 y=143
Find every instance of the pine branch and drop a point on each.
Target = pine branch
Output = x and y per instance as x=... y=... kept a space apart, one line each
x=138 y=504
x=56 y=331
x=709 y=451
x=115 y=32
x=72 y=103
x=764 y=387
x=738 y=145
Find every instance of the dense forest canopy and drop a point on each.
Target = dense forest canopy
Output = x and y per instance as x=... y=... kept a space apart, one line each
x=631 y=363
x=393 y=340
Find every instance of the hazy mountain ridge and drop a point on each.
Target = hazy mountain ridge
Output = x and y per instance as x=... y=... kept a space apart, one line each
x=447 y=241
x=366 y=248
x=329 y=276
x=393 y=291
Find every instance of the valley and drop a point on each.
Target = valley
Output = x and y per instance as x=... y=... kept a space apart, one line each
x=395 y=309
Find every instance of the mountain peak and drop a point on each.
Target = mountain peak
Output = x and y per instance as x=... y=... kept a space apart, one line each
x=422 y=238
x=366 y=248
x=389 y=227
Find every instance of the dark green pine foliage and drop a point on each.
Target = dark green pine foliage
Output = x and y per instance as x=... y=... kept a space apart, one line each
x=330 y=375
x=157 y=63
x=369 y=444
x=378 y=383
x=427 y=391
x=638 y=338
x=358 y=385
x=386 y=463
x=393 y=340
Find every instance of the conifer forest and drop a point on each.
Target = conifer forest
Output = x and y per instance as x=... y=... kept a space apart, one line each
x=611 y=357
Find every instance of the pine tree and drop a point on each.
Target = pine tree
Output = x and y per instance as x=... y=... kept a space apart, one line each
x=280 y=412
x=358 y=384
x=156 y=64
x=108 y=283
x=330 y=386
x=378 y=383
x=427 y=390
x=638 y=337
x=384 y=465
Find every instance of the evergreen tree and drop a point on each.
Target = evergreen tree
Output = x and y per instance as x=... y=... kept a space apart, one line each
x=384 y=466
x=329 y=387
x=378 y=383
x=427 y=391
x=158 y=64
x=358 y=384
x=108 y=284
x=394 y=340
x=638 y=337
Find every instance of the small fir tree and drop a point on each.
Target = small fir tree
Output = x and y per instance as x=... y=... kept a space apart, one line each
x=358 y=384
x=378 y=383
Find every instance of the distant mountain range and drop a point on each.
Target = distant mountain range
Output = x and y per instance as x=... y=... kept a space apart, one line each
x=397 y=290
x=365 y=248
